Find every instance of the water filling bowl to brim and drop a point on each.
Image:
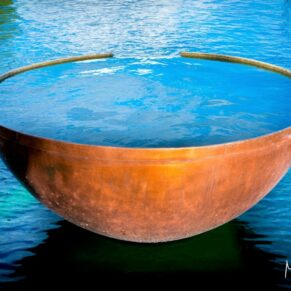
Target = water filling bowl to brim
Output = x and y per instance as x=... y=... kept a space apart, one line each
x=148 y=194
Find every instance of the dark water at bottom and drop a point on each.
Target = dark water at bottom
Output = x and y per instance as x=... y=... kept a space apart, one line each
x=220 y=259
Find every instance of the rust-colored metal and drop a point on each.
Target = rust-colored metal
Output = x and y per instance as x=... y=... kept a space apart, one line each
x=148 y=195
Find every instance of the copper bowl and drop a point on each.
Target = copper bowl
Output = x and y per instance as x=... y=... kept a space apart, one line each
x=148 y=194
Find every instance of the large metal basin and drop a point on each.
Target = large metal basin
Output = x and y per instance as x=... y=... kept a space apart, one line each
x=148 y=195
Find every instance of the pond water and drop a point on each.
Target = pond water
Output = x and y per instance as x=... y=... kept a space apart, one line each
x=190 y=102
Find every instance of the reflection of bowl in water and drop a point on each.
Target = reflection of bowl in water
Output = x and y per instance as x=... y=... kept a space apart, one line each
x=148 y=195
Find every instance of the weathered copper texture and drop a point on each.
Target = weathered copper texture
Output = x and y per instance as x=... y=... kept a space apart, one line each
x=148 y=195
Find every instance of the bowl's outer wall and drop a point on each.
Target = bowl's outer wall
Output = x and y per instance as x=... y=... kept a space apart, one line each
x=147 y=195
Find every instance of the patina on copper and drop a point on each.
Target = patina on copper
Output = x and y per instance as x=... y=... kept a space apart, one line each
x=153 y=194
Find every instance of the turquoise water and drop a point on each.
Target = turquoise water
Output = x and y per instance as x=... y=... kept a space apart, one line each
x=146 y=36
x=157 y=102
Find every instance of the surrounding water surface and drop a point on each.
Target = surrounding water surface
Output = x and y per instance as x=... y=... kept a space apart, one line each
x=143 y=85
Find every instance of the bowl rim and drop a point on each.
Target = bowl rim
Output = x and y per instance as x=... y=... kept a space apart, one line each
x=24 y=138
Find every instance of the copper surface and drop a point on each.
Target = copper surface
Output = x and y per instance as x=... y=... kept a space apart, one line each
x=147 y=195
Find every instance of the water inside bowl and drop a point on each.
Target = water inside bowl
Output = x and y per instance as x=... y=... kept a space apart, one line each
x=147 y=102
